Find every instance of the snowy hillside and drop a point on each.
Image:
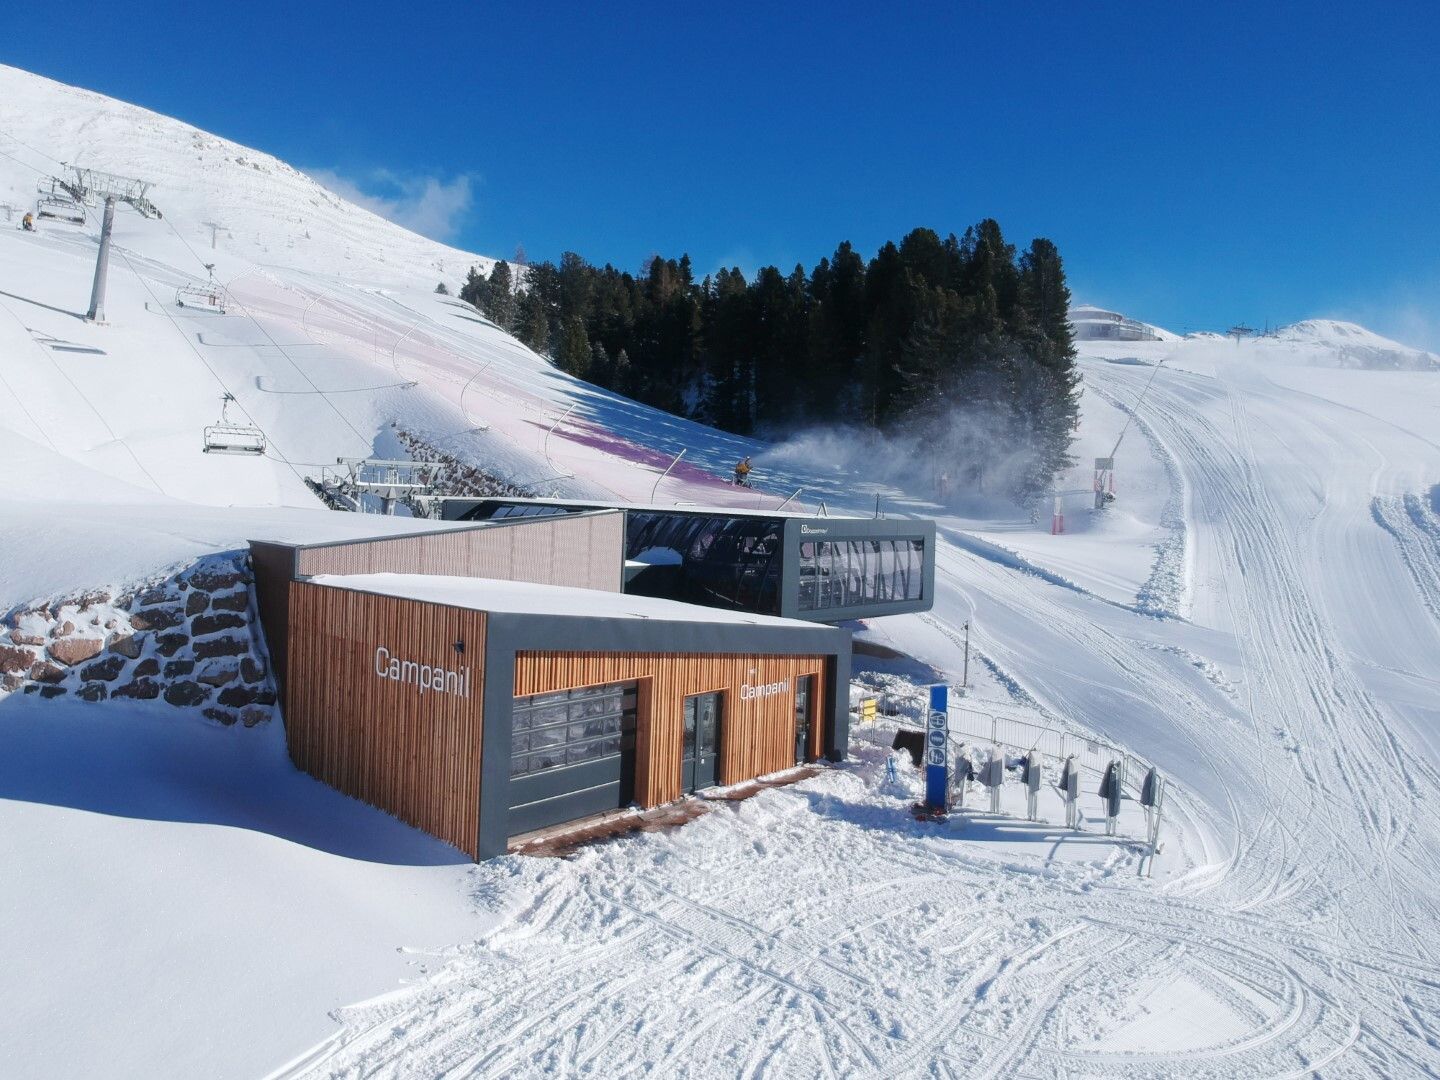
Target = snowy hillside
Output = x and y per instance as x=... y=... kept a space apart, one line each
x=267 y=212
x=1258 y=613
x=1349 y=345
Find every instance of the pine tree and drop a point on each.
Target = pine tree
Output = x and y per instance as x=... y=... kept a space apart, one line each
x=956 y=339
x=501 y=297
x=534 y=321
x=476 y=290
x=1045 y=301
x=442 y=290
x=599 y=371
x=574 y=352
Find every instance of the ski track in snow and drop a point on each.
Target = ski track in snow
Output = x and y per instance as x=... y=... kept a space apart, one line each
x=1166 y=591
x=1315 y=933
x=1312 y=921
x=1416 y=530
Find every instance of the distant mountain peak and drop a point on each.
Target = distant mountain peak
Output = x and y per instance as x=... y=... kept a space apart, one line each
x=1353 y=345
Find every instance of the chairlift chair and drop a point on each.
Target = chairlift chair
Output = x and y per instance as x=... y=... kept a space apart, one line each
x=209 y=295
x=228 y=438
x=60 y=208
x=212 y=297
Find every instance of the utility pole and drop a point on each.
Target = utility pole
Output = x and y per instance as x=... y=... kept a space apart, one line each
x=96 y=314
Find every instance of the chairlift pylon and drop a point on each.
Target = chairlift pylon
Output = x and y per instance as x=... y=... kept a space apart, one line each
x=228 y=438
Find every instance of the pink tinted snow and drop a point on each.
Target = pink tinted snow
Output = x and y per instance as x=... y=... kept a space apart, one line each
x=591 y=435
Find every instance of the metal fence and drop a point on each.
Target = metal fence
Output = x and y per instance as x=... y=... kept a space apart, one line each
x=968 y=724
x=1054 y=743
x=1011 y=734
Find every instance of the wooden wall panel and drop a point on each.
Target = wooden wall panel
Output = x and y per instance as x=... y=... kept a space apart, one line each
x=384 y=742
x=585 y=551
x=758 y=736
x=274 y=567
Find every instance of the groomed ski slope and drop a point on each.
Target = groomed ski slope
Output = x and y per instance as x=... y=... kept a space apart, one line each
x=814 y=931
x=1257 y=615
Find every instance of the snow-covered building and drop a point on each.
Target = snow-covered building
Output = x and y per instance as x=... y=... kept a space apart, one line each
x=771 y=562
x=1096 y=324
x=416 y=678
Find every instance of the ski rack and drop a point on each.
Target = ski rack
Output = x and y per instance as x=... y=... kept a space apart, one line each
x=228 y=438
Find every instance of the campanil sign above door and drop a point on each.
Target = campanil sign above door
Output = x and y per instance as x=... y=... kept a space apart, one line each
x=424 y=677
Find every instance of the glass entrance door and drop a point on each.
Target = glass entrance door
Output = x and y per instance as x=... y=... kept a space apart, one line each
x=700 y=754
x=804 y=698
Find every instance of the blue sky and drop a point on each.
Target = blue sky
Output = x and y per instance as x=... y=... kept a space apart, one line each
x=1197 y=164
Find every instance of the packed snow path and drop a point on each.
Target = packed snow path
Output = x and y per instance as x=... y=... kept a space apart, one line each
x=814 y=931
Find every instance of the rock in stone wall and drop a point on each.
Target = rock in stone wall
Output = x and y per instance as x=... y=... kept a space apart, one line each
x=190 y=640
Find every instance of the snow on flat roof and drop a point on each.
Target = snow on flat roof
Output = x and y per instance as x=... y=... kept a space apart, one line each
x=340 y=528
x=332 y=528
x=525 y=598
x=666 y=508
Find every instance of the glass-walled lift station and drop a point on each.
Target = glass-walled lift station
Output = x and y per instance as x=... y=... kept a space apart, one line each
x=824 y=569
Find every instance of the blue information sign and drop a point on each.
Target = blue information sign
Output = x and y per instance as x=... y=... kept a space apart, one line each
x=937 y=744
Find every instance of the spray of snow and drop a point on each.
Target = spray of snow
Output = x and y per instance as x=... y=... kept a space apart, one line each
x=960 y=462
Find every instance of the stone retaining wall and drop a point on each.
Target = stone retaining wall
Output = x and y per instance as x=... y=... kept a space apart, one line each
x=190 y=640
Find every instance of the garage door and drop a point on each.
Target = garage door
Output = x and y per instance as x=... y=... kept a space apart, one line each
x=572 y=754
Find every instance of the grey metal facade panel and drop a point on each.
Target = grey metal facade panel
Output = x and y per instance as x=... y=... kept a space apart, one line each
x=552 y=783
x=567 y=806
x=497 y=711
x=801 y=531
x=797 y=529
x=837 y=732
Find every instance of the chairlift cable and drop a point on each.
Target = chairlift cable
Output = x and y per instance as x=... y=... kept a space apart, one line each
x=277 y=455
x=32 y=149
x=85 y=398
x=367 y=443
x=26 y=164
x=206 y=364
x=182 y=240
x=21 y=401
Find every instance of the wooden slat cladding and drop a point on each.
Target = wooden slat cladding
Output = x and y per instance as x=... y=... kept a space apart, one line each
x=758 y=735
x=416 y=755
x=585 y=551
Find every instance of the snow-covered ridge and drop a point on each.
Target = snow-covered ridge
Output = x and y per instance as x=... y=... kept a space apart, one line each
x=1348 y=344
x=1314 y=342
x=268 y=211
